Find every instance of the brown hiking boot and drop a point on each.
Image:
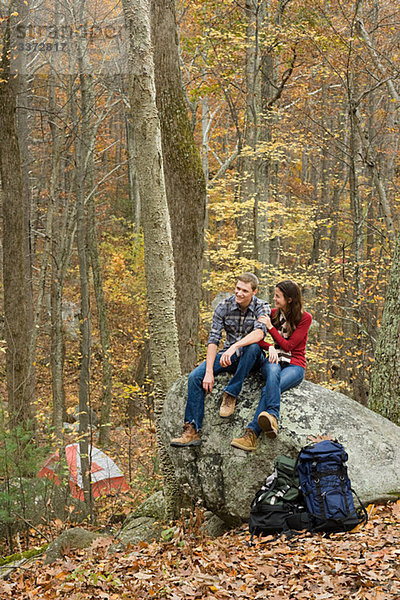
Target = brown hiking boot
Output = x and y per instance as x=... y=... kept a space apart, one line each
x=189 y=437
x=227 y=407
x=247 y=442
x=268 y=424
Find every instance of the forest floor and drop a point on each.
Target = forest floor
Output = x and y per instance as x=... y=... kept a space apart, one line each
x=187 y=564
x=364 y=565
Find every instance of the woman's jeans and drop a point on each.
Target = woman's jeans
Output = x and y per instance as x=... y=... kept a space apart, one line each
x=278 y=379
x=250 y=358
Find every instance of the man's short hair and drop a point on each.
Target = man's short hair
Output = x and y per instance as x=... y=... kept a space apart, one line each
x=249 y=278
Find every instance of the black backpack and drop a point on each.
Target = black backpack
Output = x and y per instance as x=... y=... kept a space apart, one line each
x=278 y=507
x=311 y=493
x=327 y=489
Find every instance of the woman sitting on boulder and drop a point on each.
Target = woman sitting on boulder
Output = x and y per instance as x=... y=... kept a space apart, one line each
x=285 y=366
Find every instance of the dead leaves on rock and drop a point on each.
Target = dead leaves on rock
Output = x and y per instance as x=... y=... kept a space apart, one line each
x=320 y=438
x=360 y=566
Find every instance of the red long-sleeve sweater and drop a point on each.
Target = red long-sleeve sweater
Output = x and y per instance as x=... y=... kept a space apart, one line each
x=296 y=343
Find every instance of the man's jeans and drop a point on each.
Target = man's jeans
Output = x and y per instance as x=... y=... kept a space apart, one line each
x=278 y=379
x=252 y=357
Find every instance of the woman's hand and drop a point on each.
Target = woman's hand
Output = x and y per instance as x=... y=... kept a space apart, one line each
x=265 y=320
x=272 y=355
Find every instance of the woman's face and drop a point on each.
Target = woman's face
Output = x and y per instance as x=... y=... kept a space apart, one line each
x=280 y=300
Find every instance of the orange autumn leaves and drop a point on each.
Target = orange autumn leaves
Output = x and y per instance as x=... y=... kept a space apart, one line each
x=362 y=565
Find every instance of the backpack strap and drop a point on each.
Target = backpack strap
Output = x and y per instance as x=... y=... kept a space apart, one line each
x=263 y=493
x=316 y=477
x=342 y=477
x=363 y=509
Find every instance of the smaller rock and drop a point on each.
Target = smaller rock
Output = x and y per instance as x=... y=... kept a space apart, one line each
x=153 y=506
x=139 y=529
x=71 y=427
x=143 y=525
x=73 y=418
x=220 y=297
x=214 y=525
x=70 y=317
x=69 y=540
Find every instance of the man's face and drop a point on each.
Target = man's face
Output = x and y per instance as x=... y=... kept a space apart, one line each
x=244 y=294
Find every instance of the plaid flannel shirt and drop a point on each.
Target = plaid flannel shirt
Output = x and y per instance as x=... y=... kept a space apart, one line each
x=229 y=317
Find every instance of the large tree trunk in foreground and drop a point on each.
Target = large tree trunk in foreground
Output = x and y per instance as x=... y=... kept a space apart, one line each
x=184 y=180
x=384 y=393
x=18 y=306
x=155 y=219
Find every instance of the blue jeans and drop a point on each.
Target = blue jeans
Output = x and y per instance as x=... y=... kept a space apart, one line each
x=252 y=356
x=278 y=379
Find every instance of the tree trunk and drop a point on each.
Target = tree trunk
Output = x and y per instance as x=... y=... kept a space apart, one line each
x=63 y=234
x=248 y=160
x=56 y=332
x=354 y=295
x=82 y=143
x=104 y=435
x=384 y=392
x=18 y=313
x=159 y=262
x=85 y=328
x=184 y=180
x=134 y=196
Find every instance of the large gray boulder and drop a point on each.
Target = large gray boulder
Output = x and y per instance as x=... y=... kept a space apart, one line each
x=225 y=479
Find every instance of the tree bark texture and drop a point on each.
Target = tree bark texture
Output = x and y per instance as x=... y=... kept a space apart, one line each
x=85 y=317
x=134 y=196
x=56 y=287
x=159 y=262
x=248 y=160
x=384 y=392
x=104 y=435
x=18 y=313
x=82 y=144
x=63 y=234
x=184 y=180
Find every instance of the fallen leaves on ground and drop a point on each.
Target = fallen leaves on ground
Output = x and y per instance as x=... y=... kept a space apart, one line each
x=364 y=565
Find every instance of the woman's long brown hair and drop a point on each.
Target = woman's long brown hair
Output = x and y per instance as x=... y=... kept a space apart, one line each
x=294 y=311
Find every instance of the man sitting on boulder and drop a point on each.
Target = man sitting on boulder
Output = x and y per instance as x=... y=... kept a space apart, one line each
x=238 y=316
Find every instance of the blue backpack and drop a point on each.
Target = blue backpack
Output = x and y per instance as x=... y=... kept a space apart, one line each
x=327 y=489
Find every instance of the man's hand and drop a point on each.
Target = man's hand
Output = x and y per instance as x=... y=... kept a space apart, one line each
x=272 y=355
x=208 y=382
x=225 y=359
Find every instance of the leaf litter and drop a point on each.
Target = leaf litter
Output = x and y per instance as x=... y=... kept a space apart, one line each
x=363 y=565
